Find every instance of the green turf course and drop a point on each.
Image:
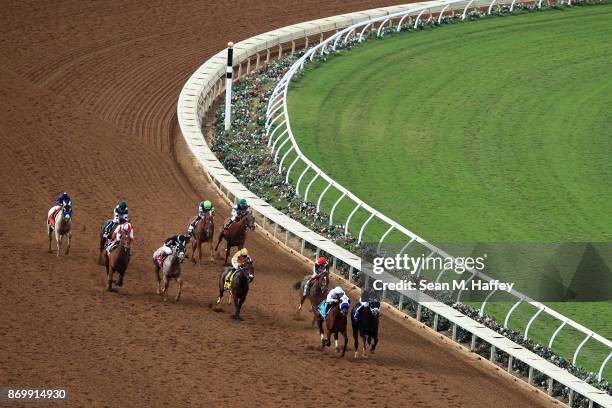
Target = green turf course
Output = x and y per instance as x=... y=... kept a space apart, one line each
x=494 y=131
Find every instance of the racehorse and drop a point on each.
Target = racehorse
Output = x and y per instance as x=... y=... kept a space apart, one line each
x=365 y=324
x=316 y=294
x=118 y=259
x=103 y=240
x=60 y=224
x=238 y=287
x=203 y=232
x=334 y=323
x=235 y=234
x=171 y=269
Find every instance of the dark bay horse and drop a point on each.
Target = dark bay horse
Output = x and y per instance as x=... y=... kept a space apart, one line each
x=365 y=324
x=334 y=323
x=239 y=286
x=316 y=294
x=235 y=234
x=118 y=260
x=203 y=232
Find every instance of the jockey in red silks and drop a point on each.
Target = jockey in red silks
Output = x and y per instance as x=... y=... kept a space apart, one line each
x=125 y=228
x=320 y=266
x=61 y=200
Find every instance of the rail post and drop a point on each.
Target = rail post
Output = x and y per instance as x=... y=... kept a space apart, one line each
x=228 y=85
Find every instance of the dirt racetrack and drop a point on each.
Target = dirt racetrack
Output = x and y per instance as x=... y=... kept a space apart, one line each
x=88 y=93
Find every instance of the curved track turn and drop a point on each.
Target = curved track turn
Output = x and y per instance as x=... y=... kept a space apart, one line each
x=88 y=95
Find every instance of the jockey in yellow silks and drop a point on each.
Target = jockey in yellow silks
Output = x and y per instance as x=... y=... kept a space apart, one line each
x=240 y=258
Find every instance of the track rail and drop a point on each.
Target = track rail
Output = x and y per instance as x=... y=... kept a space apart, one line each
x=207 y=83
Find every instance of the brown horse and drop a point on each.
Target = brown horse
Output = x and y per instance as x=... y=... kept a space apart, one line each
x=334 y=323
x=203 y=232
x=235 y=234
x=316 y=294
x=118 y=260
x=238 y=287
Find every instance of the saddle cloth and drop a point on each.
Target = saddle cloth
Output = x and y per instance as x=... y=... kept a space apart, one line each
x=51 y=217
x=228 y=279
x=324 y=309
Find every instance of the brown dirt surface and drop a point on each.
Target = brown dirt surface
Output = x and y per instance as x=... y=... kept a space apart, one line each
x=88 y=93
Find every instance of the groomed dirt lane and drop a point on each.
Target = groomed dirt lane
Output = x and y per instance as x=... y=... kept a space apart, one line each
x=88 y=94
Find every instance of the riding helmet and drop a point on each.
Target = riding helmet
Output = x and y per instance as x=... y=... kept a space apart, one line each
x=207 y=205
x=244 y=252
x=122 y=205
x=322 y=261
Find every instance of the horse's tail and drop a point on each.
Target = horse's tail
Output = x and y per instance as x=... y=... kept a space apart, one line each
x=297 y=285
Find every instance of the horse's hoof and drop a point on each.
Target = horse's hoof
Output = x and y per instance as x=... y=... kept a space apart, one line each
x=356 y=355
x=176 y=299
x=218 y=300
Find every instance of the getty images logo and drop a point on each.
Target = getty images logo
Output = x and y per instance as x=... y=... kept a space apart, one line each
x=424 y=263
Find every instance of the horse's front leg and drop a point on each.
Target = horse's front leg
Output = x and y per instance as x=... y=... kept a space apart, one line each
x=210 y=249
x=238 y=306
x=159 y=291
x=180 y=288
x=321 y=333
x=69 y=240
x=374 y=343
x=218 y=241
x=336 y=342
x=58 y=240
x=345 y=335
x=193 y=247
x=199 y=252
x=364 y=352
x=356 y=339
x=109 y=276
x=165 y=289
x=50 y=234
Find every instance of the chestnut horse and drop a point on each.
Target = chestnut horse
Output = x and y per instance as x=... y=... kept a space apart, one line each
x=118 y=260
x=239 y=286
x=334 y=323
x=203 y=232
x=316 y=294
x=235 y=234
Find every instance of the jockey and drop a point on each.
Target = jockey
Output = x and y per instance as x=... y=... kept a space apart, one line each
x=168 y=246
x=334 y=296
x=120 y=215
x=241 y=258
x=367 y=296
x=203 y=208
x=320 y=266
x=125 y=228
x=238 y=211
x=60 y=200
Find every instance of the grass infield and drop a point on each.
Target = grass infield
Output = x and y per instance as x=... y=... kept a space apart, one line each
x=494 y=131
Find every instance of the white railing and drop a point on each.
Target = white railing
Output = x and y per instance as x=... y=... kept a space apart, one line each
x=195 y=102
x=278 y=130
